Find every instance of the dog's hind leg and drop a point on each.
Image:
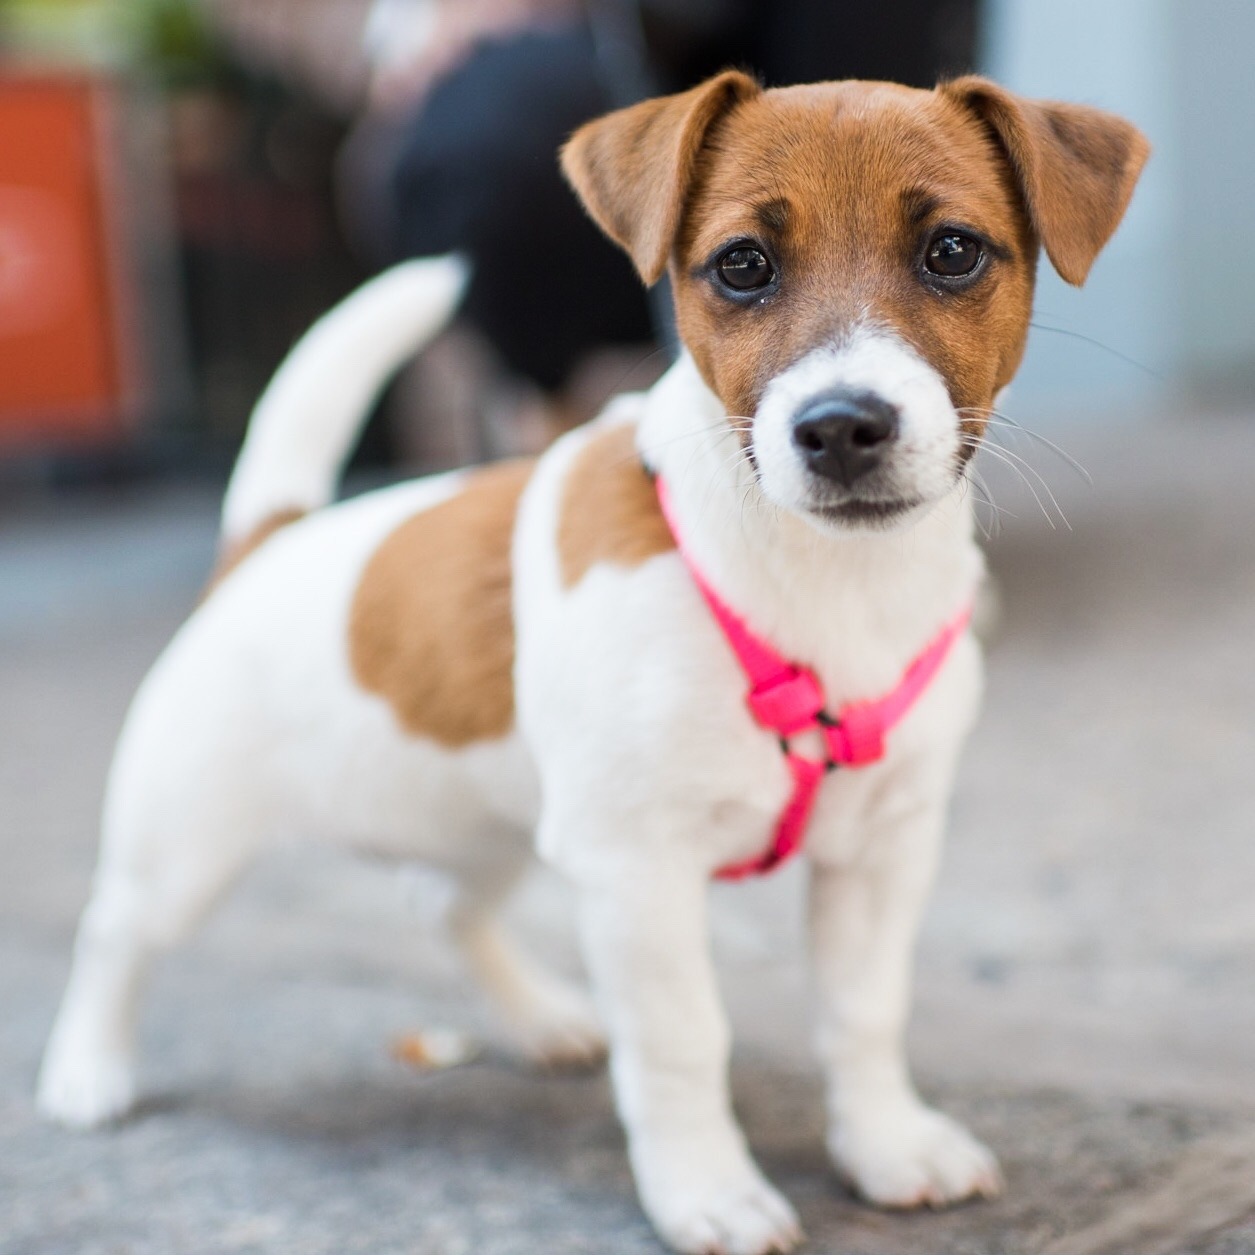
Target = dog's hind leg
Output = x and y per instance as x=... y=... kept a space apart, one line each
x=180 y=825
x=550 y=1020
x=147 y=897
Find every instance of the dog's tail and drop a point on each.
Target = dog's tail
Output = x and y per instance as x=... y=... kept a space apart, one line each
x=308 y=418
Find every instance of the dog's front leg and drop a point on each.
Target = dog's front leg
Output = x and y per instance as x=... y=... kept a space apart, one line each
x=644 y=930
x=884 y=1140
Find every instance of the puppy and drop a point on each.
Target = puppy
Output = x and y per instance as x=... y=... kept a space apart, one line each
x=534 y=655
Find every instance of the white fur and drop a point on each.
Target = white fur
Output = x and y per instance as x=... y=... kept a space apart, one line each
x=304 y=425
x=869 y=358
x=634 y=762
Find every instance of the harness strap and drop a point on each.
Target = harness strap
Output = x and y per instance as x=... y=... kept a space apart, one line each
x=789 y=699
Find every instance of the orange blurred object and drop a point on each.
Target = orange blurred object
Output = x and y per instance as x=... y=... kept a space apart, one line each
x=65 y=370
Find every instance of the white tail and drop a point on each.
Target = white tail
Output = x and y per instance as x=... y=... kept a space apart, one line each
x=305 y=423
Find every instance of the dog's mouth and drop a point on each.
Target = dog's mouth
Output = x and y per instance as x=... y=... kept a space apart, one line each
x=867 y=510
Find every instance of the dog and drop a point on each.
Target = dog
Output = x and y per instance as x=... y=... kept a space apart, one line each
x=552 y=655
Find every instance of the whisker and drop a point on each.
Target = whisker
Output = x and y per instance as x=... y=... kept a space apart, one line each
x=689 y=435
x=1124 y=357
x=1041 y=479
x=996 y=438
x=986 y=530
x=996 y=418
x=987 y=496
x=981 y=485
x=1003 y=456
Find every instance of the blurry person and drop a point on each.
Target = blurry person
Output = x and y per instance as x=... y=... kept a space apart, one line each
x=469 y=103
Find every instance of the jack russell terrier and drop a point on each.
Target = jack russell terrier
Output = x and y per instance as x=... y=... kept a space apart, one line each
x=722 y=623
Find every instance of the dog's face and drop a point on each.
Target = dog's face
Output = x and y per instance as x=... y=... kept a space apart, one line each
x=853 y=263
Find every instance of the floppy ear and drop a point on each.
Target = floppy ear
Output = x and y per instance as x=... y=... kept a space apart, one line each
x=1076 y=167
x=632 y=168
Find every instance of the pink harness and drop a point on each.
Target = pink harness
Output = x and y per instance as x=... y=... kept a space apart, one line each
x=788 y=699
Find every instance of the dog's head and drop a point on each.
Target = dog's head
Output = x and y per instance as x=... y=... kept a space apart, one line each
x=853 y=263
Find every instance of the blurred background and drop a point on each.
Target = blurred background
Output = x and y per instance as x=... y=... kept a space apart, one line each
x=186 y=184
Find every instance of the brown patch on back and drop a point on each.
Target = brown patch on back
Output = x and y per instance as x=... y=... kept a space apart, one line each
x=234 y=552
x=431 y=628
x=610 y=511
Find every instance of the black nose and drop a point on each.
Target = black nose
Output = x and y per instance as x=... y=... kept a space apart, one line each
x=844 y=435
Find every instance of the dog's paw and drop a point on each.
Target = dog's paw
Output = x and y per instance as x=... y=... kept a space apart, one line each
x=738 y=1213
x=915 y=1157
x=84 y=1091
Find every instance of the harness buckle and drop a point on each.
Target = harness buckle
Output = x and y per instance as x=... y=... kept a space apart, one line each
x=857 y=737
x=787 y=703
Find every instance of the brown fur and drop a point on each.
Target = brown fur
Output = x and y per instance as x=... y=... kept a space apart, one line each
x=850 y=248
x=431 y=629
x=632 y=167
x=236 y=551
x=1076 y=167
x=609 y=508
x=844 y=184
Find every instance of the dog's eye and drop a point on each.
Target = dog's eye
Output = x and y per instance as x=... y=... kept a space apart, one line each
x=745 y=268
x=952 y=255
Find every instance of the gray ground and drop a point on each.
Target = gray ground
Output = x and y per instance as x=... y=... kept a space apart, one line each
x=1086 y=994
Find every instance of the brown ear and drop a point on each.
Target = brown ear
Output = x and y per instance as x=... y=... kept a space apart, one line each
x=632 y=168
x=1076 y=167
